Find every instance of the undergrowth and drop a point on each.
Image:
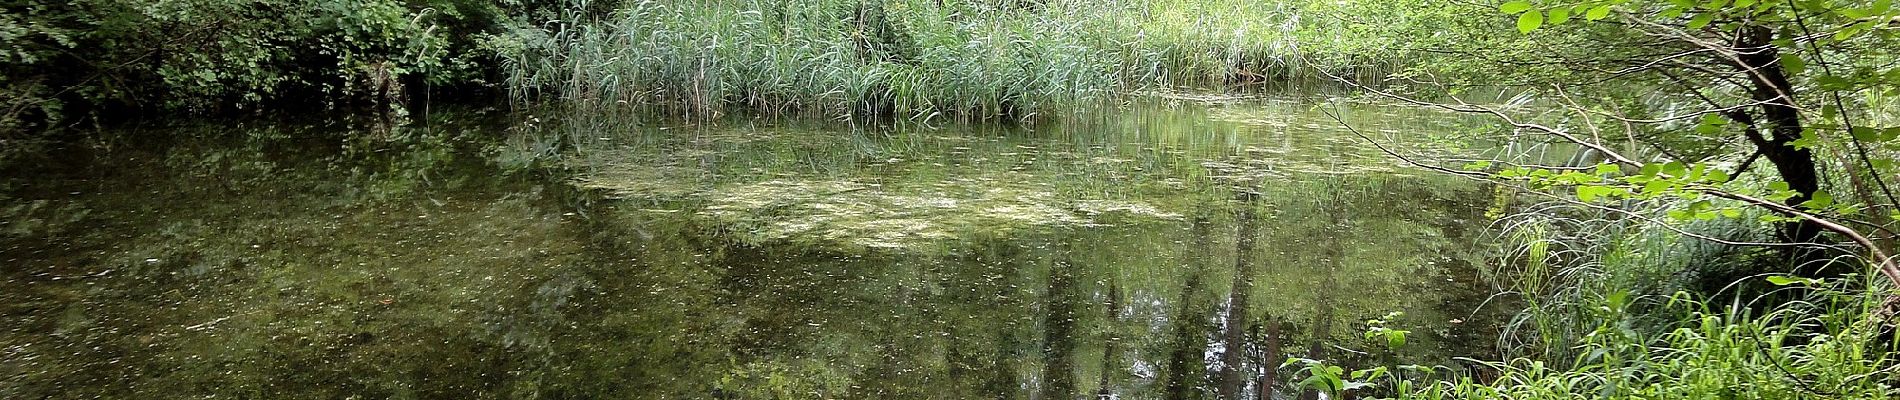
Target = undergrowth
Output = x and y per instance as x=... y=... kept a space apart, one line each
x=1615 y=307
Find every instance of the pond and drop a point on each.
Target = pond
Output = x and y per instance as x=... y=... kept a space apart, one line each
x=1166 y=249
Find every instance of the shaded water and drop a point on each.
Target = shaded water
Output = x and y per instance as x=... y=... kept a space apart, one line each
x=1165 y=251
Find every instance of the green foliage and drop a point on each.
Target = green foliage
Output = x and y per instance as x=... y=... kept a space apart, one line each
x=202 y=56
x=1817 y=349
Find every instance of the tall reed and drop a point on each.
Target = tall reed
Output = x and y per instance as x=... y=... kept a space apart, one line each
x=907 y=59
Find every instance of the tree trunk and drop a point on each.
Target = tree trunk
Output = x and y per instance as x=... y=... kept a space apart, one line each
x=1761 y=62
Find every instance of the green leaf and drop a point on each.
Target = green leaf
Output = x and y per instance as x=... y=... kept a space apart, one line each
x=1656 y=187
x=1819 y=200
x=1597 y=13
x=1530 y=21
x=1711 y=124
x=1516 y=6
x=1793 y=64
x=1559 y=16
x=1701 y=20
x=1675 y=168
x=1779 y=280
x=1807 y=141
x=1716 y=176
x=1589 y=193
x=1865 y=134
x=1608 y=168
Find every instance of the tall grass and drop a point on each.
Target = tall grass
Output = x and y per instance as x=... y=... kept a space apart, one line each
x=909 y=59
x=1608 y=314
x=1803 y=350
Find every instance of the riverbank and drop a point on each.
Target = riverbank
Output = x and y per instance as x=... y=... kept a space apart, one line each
x=78 y=65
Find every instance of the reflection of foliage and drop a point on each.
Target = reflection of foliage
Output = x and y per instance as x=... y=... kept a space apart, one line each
x=228 y=261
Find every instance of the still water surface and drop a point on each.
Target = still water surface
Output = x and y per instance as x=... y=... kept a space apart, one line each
x=1168 y=250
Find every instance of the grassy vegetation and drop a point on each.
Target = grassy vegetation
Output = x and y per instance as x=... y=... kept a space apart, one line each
x=925 y=60
x=1615 y=308
x=1814 y=349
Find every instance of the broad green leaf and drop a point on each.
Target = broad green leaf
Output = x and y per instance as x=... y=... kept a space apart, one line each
x=1716 y=176
x=1675 y=168
x=1608 y=168
x=1530 y=21
x=1588 y=193
x=1865 y=134
x=1701 y=20
x=1656 y=187
x=1793 y=64
x=1516 y=6
x=1559 y=16
x=1807 y=141
x=1819 y=201
x=1597 y=13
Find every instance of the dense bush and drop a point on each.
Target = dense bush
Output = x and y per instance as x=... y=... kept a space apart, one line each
x=66 y=60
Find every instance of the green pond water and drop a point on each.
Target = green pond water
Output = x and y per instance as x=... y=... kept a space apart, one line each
x=1168 y=249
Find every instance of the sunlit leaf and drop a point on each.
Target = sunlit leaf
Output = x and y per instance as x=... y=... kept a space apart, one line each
x=1597 y=13
x=1516 y=6
x=1530 y=21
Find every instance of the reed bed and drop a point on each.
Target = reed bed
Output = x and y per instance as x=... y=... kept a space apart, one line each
x=907 y=59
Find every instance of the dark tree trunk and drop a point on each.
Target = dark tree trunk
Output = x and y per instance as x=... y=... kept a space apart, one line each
x=1781 y=119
